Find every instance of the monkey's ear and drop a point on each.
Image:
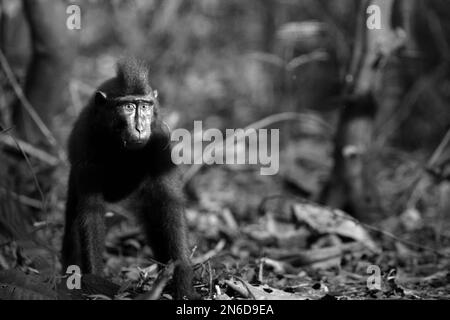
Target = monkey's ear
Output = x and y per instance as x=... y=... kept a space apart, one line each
x=155 y=94
x=100 y=98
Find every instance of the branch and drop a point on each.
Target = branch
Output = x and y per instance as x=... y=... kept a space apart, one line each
x=27 y=105
x=11 y=142
x=30 y=202
x=207 y=256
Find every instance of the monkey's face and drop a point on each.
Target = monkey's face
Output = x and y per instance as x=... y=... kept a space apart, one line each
x=130 y=118
x=136 y=118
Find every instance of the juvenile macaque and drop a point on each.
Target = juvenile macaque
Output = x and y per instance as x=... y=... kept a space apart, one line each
x=119 y=152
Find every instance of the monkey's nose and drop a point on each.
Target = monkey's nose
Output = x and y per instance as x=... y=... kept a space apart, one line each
x=139 y=127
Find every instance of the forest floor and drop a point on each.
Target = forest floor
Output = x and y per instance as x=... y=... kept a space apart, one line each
x=253 y=237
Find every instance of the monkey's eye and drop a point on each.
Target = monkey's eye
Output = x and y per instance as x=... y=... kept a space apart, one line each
x=129 y=107
x=147 y=106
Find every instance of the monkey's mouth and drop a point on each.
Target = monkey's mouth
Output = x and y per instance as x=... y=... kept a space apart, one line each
x=134 y=144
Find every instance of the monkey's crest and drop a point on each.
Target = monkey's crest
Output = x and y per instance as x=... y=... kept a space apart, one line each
x=133 y=75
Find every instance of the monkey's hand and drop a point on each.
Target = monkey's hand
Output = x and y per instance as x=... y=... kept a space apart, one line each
x=183 y=276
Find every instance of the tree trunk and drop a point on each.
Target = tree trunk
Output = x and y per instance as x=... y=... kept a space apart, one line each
x=54 y=50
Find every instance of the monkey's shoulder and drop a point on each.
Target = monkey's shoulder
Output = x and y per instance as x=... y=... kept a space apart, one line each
x=82 y=138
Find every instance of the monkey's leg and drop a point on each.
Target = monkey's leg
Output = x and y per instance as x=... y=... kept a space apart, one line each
x=165 y=225
x=71 y=245
x=176 y=241
x=84 y=236
x=91 y=226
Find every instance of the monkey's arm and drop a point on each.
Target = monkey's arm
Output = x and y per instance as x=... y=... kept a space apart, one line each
x=84 y=237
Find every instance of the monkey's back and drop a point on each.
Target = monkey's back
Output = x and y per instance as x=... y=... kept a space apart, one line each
x=82 y=139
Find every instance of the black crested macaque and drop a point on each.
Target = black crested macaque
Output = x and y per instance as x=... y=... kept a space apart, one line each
x=120 y=152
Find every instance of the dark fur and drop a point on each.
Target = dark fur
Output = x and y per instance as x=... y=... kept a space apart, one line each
x=103 y=172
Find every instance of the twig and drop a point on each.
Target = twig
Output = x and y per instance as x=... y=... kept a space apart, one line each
x=230 y=221
x=210 y=280
x=260 y=271
x=33 y=203
x=4 y=130
x=193 y=252
x=306 y=58
x=159 y=284
x=267 y=58
x=394 y=237
x=400 y=114
x=440 y=149
x=207 y=256
x=30 y=168
x=29 y=149
x=418 y=186
x=27 y=105
x=164 y=265
x=385 y=233
x=440 y=38
x=406 y=242
x=250 y=293
x=299 y=61
x=301 y=258
x=218 y=291
x=285 y=116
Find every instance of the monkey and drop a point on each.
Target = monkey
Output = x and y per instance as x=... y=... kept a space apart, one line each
x=119 y=152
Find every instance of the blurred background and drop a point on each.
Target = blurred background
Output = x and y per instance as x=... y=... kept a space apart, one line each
x=363 y=115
